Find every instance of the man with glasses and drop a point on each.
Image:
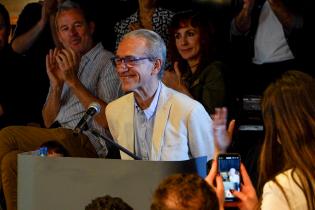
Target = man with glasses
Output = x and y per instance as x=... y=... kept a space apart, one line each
x=154 y=121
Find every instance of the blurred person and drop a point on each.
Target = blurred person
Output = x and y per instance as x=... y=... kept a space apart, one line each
x=195 y=72
x=154 y=121
x=286 y=166
x=55 y=149
x=108 y=203
x=269 y=37
x=234 y=175
x=184 y=192
x=33 y=36
x=80 y=73
x=11 y=85
x=5 y=27
x=148 y=16
x=5 y=30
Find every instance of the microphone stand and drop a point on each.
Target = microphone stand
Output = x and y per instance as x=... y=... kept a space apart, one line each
x=121 y=148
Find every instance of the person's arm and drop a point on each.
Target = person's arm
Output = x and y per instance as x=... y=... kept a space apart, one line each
x=242 y=22
x=68 y=62
x=288 y=19
x=52 y=105
x=1 y=110
x=23 y=42
x=172 y=79
x=200 y=133
x=86 y=98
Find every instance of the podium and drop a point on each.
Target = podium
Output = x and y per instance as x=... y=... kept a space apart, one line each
x=68 y=183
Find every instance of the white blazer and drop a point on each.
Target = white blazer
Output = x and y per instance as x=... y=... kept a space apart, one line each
x=182 y=127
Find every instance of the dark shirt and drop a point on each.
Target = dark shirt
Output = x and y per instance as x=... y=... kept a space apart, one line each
x=13 y=95
x=207 y=86
x=34 y=59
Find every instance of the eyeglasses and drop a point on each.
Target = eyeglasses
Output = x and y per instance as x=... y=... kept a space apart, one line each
x=129 y=61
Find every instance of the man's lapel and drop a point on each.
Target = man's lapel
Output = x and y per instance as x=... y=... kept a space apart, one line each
x=161 y=118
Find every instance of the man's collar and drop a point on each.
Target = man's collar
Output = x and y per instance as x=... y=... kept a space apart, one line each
x=149 y=112
x=90 y=55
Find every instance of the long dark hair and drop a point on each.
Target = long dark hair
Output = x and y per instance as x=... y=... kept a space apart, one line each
x=197 y=20
x=288 y=109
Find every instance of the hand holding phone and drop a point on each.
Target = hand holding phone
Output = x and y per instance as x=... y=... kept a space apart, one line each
x=229 y=169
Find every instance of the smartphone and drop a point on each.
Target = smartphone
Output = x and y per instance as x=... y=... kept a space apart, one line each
x=229 y=168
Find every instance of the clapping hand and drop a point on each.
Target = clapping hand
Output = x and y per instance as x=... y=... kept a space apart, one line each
x=62 y=66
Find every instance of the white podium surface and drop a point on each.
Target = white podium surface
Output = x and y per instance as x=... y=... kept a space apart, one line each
x=66 y=183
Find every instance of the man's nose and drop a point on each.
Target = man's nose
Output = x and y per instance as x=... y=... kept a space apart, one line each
x=73 y=31
x=122 y=67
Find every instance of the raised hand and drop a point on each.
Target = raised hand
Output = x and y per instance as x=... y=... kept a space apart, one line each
x=68 y=63
x=173 y=80
x=52 y=68
x=48 y=8
x=222 y=135
x=248 y=4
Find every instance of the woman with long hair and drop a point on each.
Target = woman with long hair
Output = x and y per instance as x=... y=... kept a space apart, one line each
x=287 y=160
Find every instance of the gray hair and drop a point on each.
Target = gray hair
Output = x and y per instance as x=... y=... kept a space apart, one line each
x=155 y=45
x=69 y=4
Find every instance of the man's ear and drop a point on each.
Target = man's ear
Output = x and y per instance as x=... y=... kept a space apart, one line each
x=157 y=66
x=91 y=25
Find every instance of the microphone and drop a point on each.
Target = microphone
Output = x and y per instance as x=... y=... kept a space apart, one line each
x=94 y=108
x=116 y=145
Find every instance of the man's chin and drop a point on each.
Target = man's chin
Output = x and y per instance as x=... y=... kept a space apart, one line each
x=127 y=88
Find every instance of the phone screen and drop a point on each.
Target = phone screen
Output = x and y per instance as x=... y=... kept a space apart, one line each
x=229 y=168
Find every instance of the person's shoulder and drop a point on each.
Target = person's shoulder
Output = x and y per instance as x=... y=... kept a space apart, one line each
x=32 y=5
x=213 y=70
x=106 y=52
x=120 y=102
x=285 y=180
x=122 y=23
x=99 y=51
x=164 y=11
x=285 y=183
x=179 y=99
x=32 y=8
x=216 y=65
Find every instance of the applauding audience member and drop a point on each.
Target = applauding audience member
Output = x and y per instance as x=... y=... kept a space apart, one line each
x=80 y=73
x=195 y=72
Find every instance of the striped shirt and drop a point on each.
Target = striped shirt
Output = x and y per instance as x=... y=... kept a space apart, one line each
x=98 y=75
